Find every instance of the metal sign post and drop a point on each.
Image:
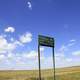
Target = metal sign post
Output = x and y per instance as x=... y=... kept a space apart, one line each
x=39 y=62
x=48 y=42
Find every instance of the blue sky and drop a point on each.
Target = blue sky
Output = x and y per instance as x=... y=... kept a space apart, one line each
x=22 y=20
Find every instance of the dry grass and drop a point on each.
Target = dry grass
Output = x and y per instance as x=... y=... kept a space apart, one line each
x=72 y=73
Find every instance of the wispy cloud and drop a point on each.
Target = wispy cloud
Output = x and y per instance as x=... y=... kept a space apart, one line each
x=29 y=60
x=72 y=40
x=67 y=46
x=63 y=60
x=71 y=44
x=76 y=53
x=63 y=48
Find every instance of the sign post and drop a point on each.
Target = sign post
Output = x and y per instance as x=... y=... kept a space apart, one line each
x=48 y=42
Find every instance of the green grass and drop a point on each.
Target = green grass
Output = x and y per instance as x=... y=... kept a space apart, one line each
x=72 y=73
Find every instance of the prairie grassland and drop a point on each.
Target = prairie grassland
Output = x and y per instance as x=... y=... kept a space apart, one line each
x=71 y=73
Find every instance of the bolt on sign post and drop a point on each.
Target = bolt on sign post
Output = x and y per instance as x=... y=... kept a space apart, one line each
x=48 y=42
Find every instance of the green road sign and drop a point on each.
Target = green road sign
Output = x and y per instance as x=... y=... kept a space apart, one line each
x=46 y=41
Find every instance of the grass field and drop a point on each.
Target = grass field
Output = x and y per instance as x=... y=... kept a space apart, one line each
x=71 y=73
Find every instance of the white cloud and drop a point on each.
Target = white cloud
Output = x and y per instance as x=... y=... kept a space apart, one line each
x=10 y=55
x=64 y=61
x=31 y=55
x=30 y=59
x=10 y=29
x=26 y=38
x=2 y=57
x=17 y=43
x=3 y=43
x=5 y=46
x=76 y=53
x=47 y=63
x=69 y=59
x=12 y=39
x=29 y=5
x=59 y=55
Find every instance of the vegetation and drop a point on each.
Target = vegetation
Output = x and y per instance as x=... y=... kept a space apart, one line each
x=72 y=73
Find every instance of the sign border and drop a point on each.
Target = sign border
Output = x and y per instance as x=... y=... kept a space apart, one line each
x=45 y=43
